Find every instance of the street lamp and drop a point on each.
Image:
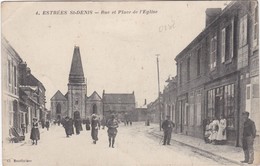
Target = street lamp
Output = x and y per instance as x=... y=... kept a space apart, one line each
x=159 y=102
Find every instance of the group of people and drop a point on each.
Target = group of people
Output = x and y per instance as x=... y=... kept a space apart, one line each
x=215 y=131
x=94 y=125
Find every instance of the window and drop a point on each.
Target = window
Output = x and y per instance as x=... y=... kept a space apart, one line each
x=243 y=31
x=223 y=45
x=188 y=68
x=227 y=43
x=213 y=52
x=229 y=104
x=9 y=71
x=15 y=77
x=180 y=73
x=198 y=61
x=211 y=103
x=255 y=26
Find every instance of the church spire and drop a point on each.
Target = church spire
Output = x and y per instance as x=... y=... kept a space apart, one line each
x=76 y=69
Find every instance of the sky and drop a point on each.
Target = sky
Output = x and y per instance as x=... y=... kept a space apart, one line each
x=118 y=51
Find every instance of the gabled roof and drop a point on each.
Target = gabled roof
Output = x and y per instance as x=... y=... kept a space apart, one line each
x=76 y=70
x=119 y=98
x=58 y=96
x=94 y=97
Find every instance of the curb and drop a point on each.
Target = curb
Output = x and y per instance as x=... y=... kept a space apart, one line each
x=201 y=151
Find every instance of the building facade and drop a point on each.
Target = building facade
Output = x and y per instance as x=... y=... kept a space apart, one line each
x=10 y=87
x=121 y=104
x=214 y=72
x=170 y=98
x=23 y=94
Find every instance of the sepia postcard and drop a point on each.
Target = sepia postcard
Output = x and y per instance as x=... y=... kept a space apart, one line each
x=130 y=83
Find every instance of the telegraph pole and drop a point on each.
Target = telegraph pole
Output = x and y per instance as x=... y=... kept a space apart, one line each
x=159 y=102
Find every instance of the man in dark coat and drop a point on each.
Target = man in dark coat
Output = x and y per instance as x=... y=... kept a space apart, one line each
x=71 y=126
x=78 y=125
x=95 y=125
x=87 y=124
x=112 y=125
x=47 y=124
x=167 y=127
x=66 y=125
x=249 y=133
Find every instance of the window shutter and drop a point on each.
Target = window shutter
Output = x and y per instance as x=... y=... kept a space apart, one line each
x=223 y=45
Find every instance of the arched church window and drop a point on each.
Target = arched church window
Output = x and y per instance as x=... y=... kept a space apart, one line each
x=58 y=109
x=94 y=108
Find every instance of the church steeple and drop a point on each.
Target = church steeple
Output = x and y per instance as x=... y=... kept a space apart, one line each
x=76 y=69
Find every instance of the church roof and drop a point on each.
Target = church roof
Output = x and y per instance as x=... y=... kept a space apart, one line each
x=119 y=98
x=58 y=96
x=94 y=97
x=76 y=69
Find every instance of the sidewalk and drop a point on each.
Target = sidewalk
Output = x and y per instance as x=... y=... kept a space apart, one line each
x=226 y=152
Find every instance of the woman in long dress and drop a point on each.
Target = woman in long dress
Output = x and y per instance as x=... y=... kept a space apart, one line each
x=222 y=135
x=35 y=133
x=95 y=125
x=214 y=125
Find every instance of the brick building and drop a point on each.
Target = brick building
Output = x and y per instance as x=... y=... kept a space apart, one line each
x=214 y=71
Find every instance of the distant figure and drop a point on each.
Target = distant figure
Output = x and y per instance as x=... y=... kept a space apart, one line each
x=23 y=128
x=249 y=134
x=67 y=126
x=47 y=124
x=42 y=123
x=87 y=124
x=167 y=127
x=103 y=123
x=71 y=126
x=95 y=125
x=78 y=125
x=112 y=125
x=130 y=123
x=222 y=134
x=35 y=134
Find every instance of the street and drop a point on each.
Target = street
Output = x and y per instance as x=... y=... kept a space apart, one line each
x=133 y=147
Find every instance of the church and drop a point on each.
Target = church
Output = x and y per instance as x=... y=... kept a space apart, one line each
x=76 y=102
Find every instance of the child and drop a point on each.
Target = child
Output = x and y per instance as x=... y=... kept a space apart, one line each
x=207 y=132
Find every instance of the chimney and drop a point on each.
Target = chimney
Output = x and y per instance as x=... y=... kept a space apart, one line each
x=212 y=14
x=144 y=101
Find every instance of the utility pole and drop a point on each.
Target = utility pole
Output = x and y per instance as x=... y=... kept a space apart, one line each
x=159 y=102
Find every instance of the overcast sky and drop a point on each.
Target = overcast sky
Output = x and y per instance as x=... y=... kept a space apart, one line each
x=117 y=50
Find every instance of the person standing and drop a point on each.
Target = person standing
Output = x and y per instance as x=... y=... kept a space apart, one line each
x=66 y=125
x=112 y=126
x=222 y=134
x=47 y=124
x=214 y=125
x=95 y=125
x=35 y=133
x=167 y=127
x=78 y=125
x=249 y=133
x=87 y=124
x=103 y=123
x=71 y=128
